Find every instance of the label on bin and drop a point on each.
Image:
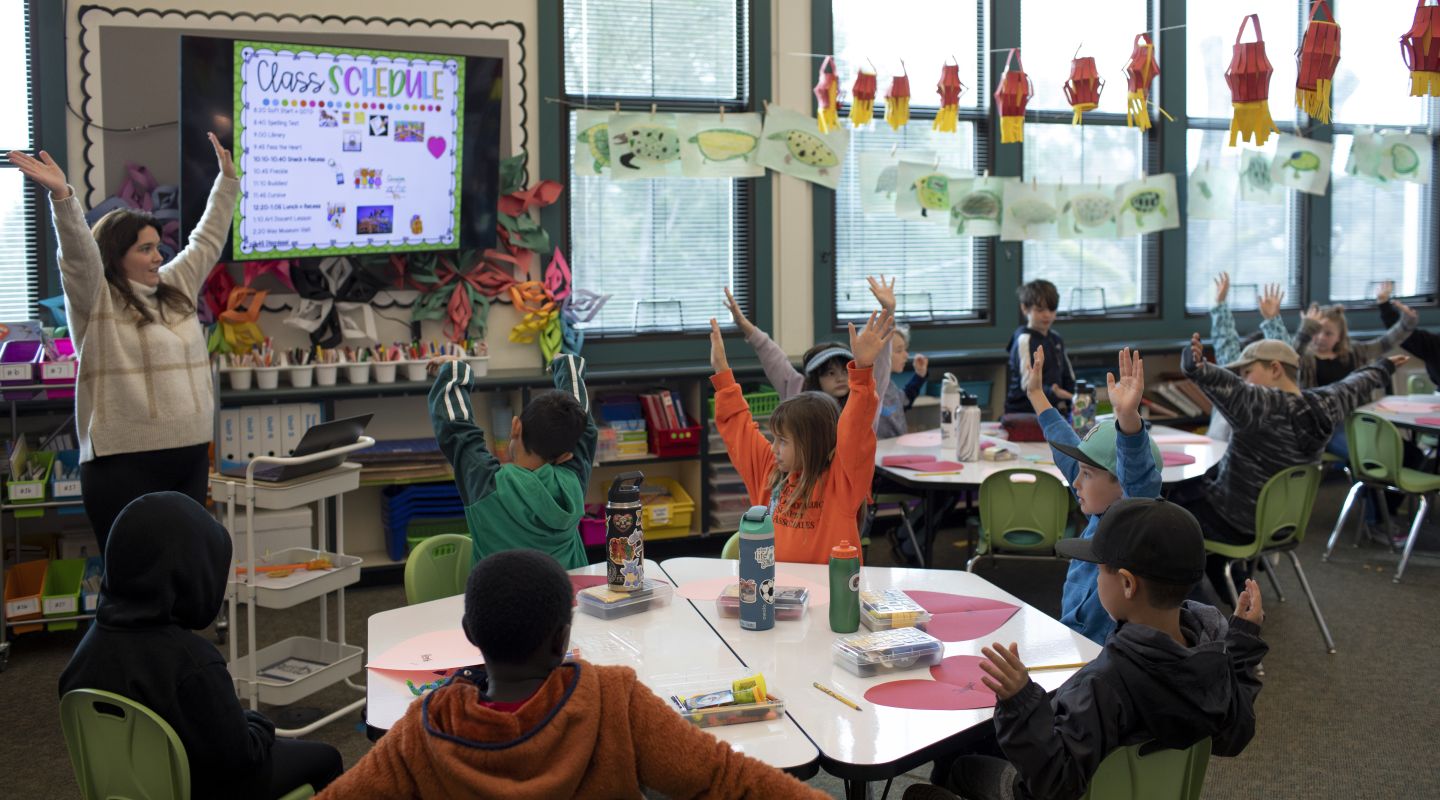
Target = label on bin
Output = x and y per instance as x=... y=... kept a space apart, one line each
x=15 y=372
x=59 y=605
x=659 y=515
x=58 y=370
x=29 y=605
x=28 y=490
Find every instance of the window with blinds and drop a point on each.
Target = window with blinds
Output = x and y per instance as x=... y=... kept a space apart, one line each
x=664 y=249
x=19 y=235
x=939 y=276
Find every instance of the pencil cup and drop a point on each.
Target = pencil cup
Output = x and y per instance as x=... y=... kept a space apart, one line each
x=358 y=373
x=385 y=371
x=415 y=371
x=302 y=376
x=325 y=374
x=267 y=377
x=240 y=378
x=479 y=365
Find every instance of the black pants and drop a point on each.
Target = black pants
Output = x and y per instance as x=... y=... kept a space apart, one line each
x=109 y=483
x=294 y=763
x=1191 y=496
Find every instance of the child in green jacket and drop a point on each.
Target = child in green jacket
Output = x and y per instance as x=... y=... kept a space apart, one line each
x=536 y=500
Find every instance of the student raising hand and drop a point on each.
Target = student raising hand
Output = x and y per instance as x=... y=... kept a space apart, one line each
x=865 y=345
x=922 y=364
x=884 y=292
x=1222 y=287
x=718 y=362
x=1006 y=673
x=42 y=170
x=1406 y=311
x=741 y=322
x=1197 y=349
x=1270 y=300
x=1126 y=392
x=1383 y=293
x=1248 y=607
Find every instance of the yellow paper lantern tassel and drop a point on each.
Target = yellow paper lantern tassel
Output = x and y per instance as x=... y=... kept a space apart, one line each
x=1425 y=83
x=1012 y=130
x=1252 y=123
x=1316 y=102
x=1137 y=113
x=827 y=91
x=862 y=99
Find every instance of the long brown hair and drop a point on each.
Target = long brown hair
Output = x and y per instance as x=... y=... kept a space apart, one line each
x=809 y=420
x=116 y=233
x=1336 y=315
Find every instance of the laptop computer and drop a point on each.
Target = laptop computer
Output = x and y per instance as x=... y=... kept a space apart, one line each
x=319 y=438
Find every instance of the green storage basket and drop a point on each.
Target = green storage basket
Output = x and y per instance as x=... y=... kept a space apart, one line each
x=61 y=595
x=762 y=403
x=421 y=529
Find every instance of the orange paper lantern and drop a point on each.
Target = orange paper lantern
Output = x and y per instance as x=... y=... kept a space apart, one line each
x=1421 y=49
x=949 y=88
x=1140 y=72
x=1319 y=56
x=1083 y=89
x=1249 y=80
x=1011 y=97
x=897 y=100
x=862 y=99
x=827 y=89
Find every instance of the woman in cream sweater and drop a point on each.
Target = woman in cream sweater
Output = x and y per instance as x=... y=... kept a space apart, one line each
x=144 y=406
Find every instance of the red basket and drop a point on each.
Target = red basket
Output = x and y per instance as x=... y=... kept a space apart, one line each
x=592 y=525
x=675 y=441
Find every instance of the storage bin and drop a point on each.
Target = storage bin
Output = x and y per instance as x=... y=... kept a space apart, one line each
x=669 y=517
x=240 y=377
x=65 y=475
x=479 y=365
x=869 y=654
x=592 y=525
x=415 y=371
x=358 y=373
x=60 y=370
x=295 y=668
x=274 y=531
x=301 y=377
x=762 y=403
x=19 y=364
x=90 y=584
x=32 y=490
x=325 y=374
x=675 y=688
x=605 y=603
x=790 y=602
x=23 y=584
x=886 y=609
x=60 y=596
x=675 y=442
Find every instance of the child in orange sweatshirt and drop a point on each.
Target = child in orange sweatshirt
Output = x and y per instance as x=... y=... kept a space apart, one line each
x=817 y=472
x=527 y=725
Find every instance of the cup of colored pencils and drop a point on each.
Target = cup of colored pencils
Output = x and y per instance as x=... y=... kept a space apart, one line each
x=387 y=362
x=416 y=357
x=299 y=367
x=327 y=365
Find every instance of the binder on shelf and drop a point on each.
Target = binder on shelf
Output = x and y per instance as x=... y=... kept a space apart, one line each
x=310 y=416
x=270 y=437
x=250 y=437
x=292 y=427
x=228 y=443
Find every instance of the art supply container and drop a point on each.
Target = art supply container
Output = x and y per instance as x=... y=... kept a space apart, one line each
x=358 y=373
x=606 y=603
x=870 y=654
x=757 y=569
x=790 y=602
x=415 y=371
x=325 y=374
x=240 y=377
x=267 y=377
x=884 y=609
x=385 y=371
x=301 y=377
x=844 y=587
x=479 y=365
x=624 y=534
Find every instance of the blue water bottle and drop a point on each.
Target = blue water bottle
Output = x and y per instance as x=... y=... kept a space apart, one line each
x=757 y=569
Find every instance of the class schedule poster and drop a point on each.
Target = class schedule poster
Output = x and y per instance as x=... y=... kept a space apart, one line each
x=344 y=151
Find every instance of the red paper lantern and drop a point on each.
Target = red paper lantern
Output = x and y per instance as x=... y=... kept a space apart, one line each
x=1319 y=56
x=1083 y=89
x=862 y=99
x=827 y=89
x=949 y=88
x=897 y=100
x=1421 y=49
x=1140 y=72
x=1011 y=97
x=1249 y=80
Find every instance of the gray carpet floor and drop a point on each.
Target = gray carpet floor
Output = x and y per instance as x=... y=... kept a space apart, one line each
x=1358 y=724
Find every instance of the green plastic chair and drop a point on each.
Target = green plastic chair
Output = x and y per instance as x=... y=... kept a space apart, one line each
x=1419 y=383
x=438 y=567
x=1161 y=775
x=731 y=550
x=1377 y=461
x=1022 y=515
x=121 y=750
x=901 y=504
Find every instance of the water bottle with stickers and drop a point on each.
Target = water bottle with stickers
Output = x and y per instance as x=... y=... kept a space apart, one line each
x=757 y=569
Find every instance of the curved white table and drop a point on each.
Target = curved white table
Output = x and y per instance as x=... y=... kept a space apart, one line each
x=878 y=742
x=1406 y=418
x=660 y=645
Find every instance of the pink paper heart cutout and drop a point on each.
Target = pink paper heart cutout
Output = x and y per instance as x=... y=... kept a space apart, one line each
x=436 y=145
x=1176 y=459
x=960 y=618
x=922 y=695
x=1428 y=420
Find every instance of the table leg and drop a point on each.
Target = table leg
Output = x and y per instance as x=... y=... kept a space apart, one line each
x=857 y=790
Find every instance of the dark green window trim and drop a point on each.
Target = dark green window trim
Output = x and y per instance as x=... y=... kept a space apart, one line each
x=47 y=70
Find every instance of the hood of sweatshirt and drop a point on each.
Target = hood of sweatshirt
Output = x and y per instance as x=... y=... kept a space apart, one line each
x=1181 y=694
x=165 y=564
x=546 y=499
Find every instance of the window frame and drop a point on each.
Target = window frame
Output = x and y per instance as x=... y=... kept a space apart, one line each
x=45 y=36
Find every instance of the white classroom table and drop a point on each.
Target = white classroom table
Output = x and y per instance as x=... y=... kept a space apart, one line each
x=1406 y=419
x=878 y=742
x=659 y=645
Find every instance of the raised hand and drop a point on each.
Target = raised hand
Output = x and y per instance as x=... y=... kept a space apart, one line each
x=741 y=322
x=1382 y=295
x=1406 y=311
x=1006 y=673
x=1248 y=607
x=867 y=343
x=921 y=362
x=884 y=292
x=1270 y=300
x=1197 y=349
x=1034 y=383
x=1399 y=360
x=227 y=163
x=1222 y=287
x=1314 y=314
x=432 y=367
x=718 y=361
x=1126 y=392
x=42 y=170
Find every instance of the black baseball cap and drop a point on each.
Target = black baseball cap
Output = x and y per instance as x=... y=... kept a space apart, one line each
x=1154 y=539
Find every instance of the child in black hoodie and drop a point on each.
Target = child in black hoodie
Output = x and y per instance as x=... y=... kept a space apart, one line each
x=165 y=567
x=1171 y=674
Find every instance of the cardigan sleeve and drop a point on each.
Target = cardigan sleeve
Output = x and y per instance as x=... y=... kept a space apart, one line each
x=190 y=266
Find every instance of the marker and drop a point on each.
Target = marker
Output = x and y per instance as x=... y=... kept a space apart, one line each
x=847 y=701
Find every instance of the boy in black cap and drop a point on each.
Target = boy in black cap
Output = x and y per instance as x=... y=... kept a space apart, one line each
x=1172 y=673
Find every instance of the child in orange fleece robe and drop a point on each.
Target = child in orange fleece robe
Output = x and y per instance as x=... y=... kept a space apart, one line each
x=822 y=470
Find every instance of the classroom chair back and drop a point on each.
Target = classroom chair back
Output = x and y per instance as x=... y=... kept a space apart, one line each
x=438 y=567
x=1419 y=383
x=121 y=750
x=1376 y=450
x=1162 y=775
x=1022 y=514
x=731 y=550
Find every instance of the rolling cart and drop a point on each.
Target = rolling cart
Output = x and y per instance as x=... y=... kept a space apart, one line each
x=299 y=666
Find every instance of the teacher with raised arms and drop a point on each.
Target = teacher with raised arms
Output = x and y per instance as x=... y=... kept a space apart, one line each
x=144 y=404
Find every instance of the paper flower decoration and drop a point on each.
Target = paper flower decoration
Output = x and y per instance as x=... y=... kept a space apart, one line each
x=1011 y=98
x=1319 y=55
x=827 y=89
x=1249 y=80
x=897 y=100
x=1082 y=91
x=1421 y=49
x=862 y=99
x=949 y=88
x=1140 y=72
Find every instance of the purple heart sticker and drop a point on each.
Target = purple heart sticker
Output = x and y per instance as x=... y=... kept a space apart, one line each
x=436 y=144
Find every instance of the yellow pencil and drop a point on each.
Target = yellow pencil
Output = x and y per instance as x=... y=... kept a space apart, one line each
x=1056 y=666
x=935 y=474
x=847 y=701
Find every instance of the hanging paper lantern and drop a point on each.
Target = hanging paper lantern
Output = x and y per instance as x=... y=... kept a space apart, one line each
x=897 y=100
x=1421 y=48
x=827 y=89
x=949 y=88
x=1011 y=98
x=1249 y=80
x=1083 y=88
x=1319 y=55
x=1140 y=72
x=862 y=99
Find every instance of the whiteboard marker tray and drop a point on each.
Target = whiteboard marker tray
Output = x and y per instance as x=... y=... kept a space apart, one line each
x=301 y=584
x=298 y=667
